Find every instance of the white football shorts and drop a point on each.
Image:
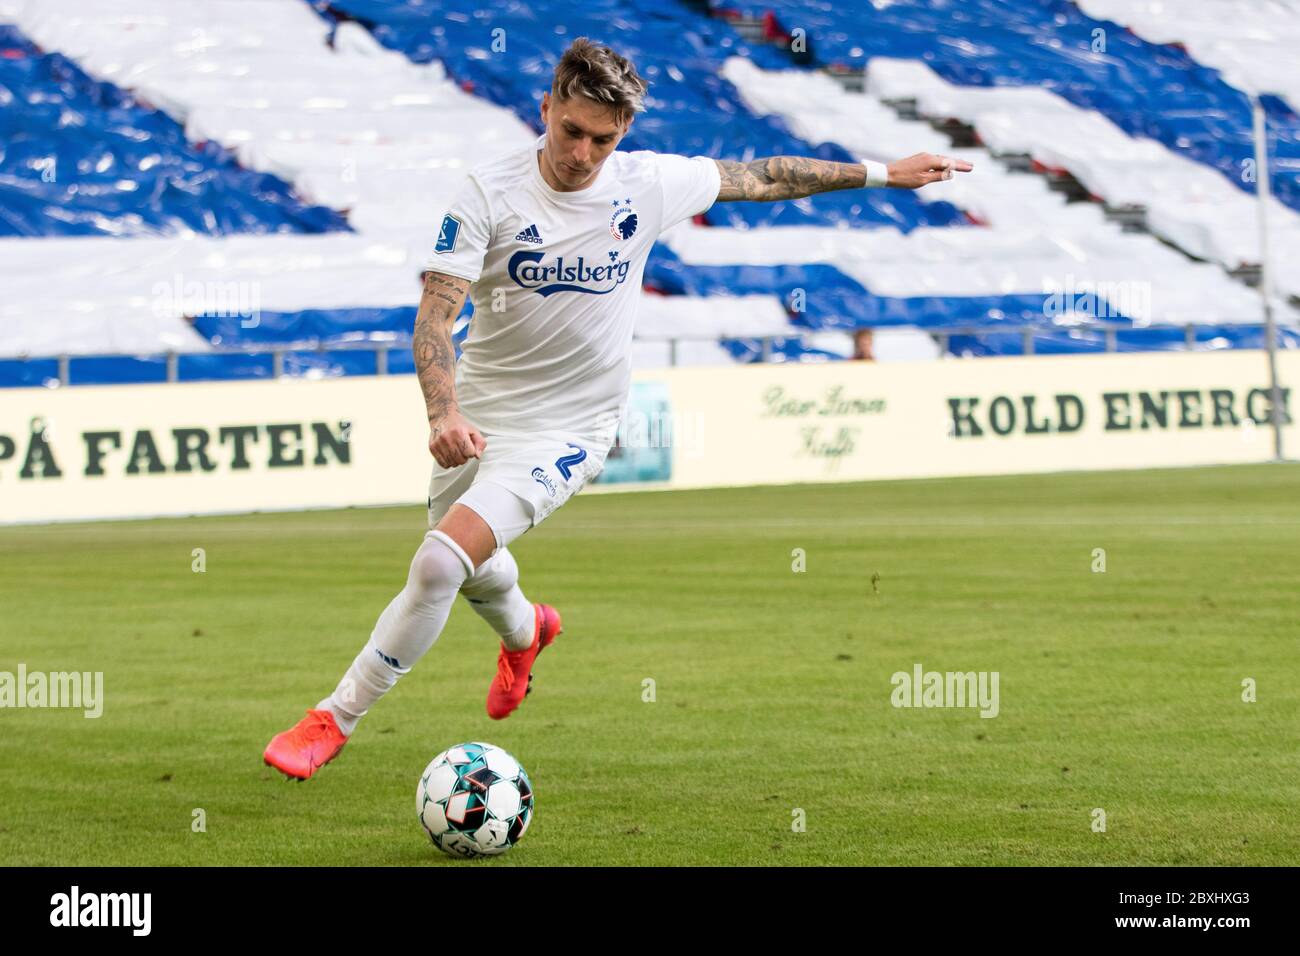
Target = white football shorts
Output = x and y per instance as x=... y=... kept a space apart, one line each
x=518 y=482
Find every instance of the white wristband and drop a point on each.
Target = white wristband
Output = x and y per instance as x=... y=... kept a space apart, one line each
x=877 y=173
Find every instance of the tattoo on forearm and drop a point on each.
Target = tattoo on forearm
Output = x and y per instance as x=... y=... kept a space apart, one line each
x=435 y=356
x=786 y=177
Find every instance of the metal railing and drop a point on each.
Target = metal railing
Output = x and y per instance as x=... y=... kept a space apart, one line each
x=1111 y=331
x=942 y=337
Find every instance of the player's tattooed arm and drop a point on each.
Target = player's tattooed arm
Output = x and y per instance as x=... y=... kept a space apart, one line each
x=786 y=177
x=794 y=177
x=435 y=356
x=452 y=440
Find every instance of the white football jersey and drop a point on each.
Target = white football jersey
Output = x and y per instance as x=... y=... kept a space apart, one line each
x=556 y=281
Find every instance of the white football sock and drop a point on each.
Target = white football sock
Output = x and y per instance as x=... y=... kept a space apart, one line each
x=405 y=631
x=493 y=592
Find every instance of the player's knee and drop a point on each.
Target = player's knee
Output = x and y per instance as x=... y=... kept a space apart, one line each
x=437 y=571
x=499 y=573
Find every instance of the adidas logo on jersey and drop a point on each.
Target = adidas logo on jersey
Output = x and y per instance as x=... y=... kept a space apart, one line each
x=530 y=235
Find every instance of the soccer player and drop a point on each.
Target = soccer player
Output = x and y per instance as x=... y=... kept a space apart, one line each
x=550 y=242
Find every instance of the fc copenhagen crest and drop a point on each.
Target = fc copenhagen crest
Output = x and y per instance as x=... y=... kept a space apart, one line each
x=622 y=223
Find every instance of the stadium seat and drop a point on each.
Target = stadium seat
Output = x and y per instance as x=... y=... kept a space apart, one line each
x=82 y=157
x=1155 y=91
x=360 y=105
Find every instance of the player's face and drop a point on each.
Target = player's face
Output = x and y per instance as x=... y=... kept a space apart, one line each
x=580 y=134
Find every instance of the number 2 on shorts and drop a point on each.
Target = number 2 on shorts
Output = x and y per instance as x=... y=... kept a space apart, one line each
x=565 y=462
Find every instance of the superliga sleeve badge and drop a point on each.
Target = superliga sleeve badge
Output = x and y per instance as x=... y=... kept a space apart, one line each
x=448 y=234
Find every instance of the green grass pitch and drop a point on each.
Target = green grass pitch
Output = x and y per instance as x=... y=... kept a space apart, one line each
x=1119 y=690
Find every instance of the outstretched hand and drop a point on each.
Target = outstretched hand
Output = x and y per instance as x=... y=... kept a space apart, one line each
x=924 y=168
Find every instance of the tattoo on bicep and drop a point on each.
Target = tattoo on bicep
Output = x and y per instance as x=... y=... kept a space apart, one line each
x=742 y=180
x=444 y=287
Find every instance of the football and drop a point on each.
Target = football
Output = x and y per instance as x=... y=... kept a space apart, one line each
x=474 y=799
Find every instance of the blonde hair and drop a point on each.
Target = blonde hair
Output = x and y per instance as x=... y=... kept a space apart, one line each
x=601 y=75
